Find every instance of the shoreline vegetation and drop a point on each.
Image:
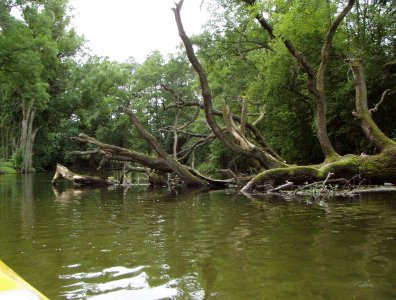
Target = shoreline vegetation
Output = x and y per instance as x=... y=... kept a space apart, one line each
x=321 y=189
x=272 y=172
x=7 y=167
x=271 y=97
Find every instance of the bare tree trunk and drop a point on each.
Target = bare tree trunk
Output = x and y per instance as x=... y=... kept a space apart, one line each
x=315 y=84
x=26 y=108
x=266 y=159
x=370 y=128
x=175 y=130
x=27 y=160
x=29 y=149
x=27 y=135
x=377 y=168
x=244 y=115
x=320 y=83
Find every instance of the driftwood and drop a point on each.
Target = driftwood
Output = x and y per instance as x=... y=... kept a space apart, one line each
x=77 y=179
x=287 y=185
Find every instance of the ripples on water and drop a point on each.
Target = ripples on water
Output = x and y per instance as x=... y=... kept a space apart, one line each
x=116 y=283
x=156 y=244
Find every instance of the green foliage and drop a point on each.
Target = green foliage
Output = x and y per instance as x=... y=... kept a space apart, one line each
x=17 y=159
x=36 y=48
x=7 y=167
x=38 y=64
x=273 y=78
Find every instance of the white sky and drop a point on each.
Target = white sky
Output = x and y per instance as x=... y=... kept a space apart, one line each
x=121 y=29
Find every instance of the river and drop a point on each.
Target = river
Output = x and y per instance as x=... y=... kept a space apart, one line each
x=145 y=243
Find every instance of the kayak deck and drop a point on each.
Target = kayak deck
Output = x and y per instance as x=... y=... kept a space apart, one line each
x=13 y=287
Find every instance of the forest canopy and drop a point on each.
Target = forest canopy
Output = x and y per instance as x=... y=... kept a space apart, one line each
x=270 y=92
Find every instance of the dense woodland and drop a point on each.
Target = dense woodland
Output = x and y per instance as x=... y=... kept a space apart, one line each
x=270 y=92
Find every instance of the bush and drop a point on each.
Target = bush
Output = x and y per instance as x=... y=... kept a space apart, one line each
x=17 y=160
x=6 y=167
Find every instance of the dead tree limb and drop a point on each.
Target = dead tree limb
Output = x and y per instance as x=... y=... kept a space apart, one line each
x=255 y=133
x=244 y=115
x=265 y=159
x=370 y=128
x=285 y=186
x=261 y=116
x=184 y=154
x=327 y=178
x=177 y=128
x=175 y=131
x=122 y=154
x=77 y=179
x=236 y=132
x=83 y=153
x=181 y=170
x=375 y=108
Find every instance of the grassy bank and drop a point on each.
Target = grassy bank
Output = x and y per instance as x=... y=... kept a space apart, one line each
x=6 y=167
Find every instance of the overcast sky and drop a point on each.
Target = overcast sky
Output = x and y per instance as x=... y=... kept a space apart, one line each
x=133 y=28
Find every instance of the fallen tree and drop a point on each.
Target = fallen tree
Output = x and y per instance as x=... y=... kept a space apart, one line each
x=244 y=139
x=163 y=162
x=377 y=168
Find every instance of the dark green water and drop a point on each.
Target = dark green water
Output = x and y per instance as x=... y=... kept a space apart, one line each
x=153 y=244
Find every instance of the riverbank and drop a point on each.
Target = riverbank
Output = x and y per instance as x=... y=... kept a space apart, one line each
x=7 y=167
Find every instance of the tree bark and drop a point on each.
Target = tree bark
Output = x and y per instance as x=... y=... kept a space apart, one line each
x=122 y=154
x=175 y=131
x=321 y=109
x=28 y=135
x=377 y=168
x=370 y=128
x=77 y=179
x=5 y=143
x=244 y=115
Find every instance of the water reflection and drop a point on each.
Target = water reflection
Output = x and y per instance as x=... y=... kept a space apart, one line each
x=195 y=244
x=107 y=284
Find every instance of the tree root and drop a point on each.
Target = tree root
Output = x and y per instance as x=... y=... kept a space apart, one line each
x=377 y=168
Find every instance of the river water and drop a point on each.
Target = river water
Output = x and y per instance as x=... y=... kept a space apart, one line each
x=147 y=243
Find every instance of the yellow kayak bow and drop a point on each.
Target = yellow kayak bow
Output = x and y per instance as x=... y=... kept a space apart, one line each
x=13 y=287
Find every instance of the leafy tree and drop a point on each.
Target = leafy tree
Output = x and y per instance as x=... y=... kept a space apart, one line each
x=36 y=47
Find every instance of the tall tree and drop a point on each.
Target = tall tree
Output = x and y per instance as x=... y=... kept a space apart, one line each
x=36 y=44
